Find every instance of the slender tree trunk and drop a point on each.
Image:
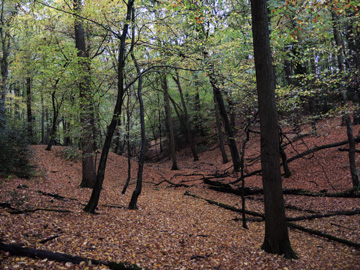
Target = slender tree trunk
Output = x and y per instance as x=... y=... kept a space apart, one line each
x=197 y=108
x=346 y=116
x=127 y=141
x=53 y=129
x=186 y=118
x=276 y=231
x=159 y=126
x=86 y=103
x=42 y=119
x=220 y=132
x=169 y=123
x=4 y=65
x=137 y=191
x=95 y=195
x=220 y=101
x=28 y=110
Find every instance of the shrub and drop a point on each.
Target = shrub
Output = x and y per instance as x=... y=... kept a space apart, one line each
x=15 y=152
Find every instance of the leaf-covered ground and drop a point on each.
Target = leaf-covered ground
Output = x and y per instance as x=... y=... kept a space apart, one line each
x=173 y=231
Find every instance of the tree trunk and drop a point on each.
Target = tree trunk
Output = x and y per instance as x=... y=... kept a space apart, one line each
x=276 y=231
x=95 y=195
x=220 y=132
x=220 y=101
x=53 y=129
x=197 y=108
x=186 y=118
x=28 y=110
x=137 y=191
x=169 y=123
x=4 y=65
x=42 y=120
x=86 y=104
x=346 y=116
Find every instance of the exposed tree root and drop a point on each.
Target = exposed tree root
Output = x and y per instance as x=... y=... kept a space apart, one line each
x=18 y=250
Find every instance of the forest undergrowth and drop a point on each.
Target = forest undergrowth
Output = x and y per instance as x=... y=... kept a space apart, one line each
x=174 y=231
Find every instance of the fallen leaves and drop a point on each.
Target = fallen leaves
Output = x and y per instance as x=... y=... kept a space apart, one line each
x=170 y=230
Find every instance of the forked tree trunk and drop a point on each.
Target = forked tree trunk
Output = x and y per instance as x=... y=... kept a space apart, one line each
x=95 y=195
x=276 y=231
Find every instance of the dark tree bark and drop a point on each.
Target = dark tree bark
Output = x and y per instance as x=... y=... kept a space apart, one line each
x=95 y=195
x=19 y=250
x=220 y=101
x=28 y=110
x=197 y=108
x=169 y=123
x=346 y=116
x=276 y=231
x=42 y=120
x=53 y=129
x=86 y=105
x=4 y=64
x=220 y=132
x=137 y=191
x=186 y=118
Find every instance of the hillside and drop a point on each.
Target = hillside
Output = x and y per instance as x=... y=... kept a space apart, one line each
x=174 y=231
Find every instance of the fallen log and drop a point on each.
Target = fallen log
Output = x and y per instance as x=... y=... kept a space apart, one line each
x=290 y=224
x=18 y=211
x=228 y=188
x=18 y=250
x=338 y=213
x=225 y=206
x=305 y=153
x=347 y=150
x=325 y=235
x=321 y=147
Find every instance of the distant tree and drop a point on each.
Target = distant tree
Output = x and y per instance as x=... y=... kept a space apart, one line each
x=169 y=122
x=276 y=231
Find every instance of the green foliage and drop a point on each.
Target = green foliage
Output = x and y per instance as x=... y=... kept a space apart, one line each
x=15 y=152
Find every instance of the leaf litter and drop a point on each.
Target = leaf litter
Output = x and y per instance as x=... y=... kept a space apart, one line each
x=173 y=231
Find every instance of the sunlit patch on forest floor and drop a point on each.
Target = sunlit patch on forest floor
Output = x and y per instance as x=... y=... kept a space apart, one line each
x=174 y=231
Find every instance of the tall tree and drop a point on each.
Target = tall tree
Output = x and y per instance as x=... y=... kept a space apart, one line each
x=169 y=122
x=95 y=195
x=86 y=105
x=276 y=231
x=4 y=62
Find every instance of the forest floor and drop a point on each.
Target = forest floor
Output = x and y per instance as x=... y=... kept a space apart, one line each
x=174 y=231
